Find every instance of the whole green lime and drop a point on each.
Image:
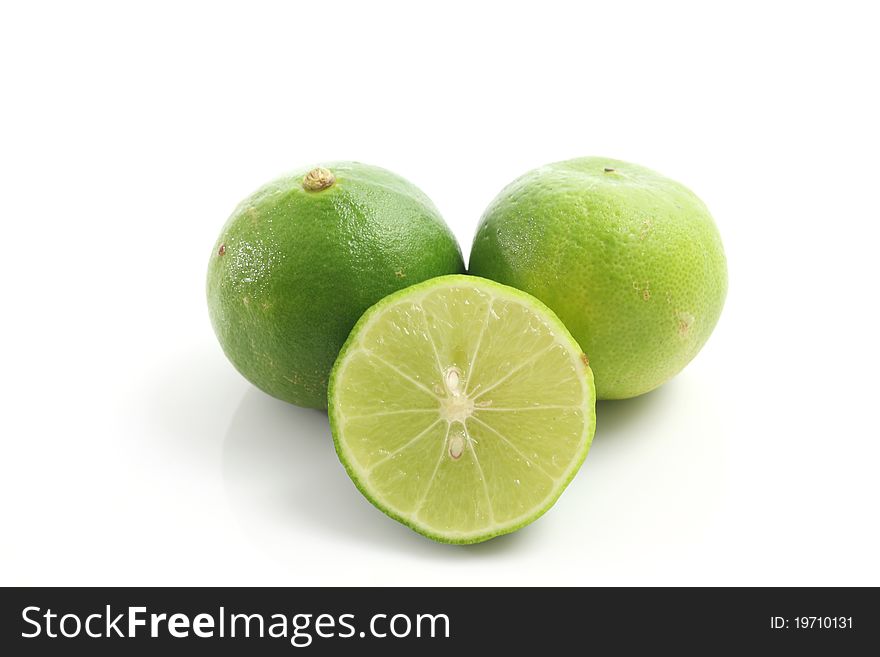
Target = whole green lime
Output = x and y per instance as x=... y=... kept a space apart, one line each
x=302 y=258
x=631 y=262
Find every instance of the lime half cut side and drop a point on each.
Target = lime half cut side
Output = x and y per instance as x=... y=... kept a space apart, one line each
x=461 y=408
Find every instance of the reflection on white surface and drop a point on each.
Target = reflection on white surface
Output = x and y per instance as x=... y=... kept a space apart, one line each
x=282 y=476
x=654 y=477
x=656 y=473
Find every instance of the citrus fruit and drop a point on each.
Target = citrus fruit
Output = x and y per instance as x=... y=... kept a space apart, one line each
x=461 y=408
x=301 y=259
x=630 y=261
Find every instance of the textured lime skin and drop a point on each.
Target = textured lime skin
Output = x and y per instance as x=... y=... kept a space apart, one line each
x=292 y=270
x=631 y=261
x=336 y=422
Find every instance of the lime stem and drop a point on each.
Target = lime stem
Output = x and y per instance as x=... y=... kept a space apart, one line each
x=317 y=179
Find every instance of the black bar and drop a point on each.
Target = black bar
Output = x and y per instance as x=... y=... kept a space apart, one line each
x=519 y=620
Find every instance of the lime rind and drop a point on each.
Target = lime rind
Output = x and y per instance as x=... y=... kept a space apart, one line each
x=415 y=402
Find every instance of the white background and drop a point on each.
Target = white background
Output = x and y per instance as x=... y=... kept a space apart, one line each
x=133 y=453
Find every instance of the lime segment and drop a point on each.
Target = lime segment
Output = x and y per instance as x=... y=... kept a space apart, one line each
x=462 y=408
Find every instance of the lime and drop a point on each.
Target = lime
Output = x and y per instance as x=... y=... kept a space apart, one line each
x=461 y=408
x=630 y=261
x=302 y=258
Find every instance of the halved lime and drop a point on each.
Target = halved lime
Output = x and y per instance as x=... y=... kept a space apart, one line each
x=462 y=408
